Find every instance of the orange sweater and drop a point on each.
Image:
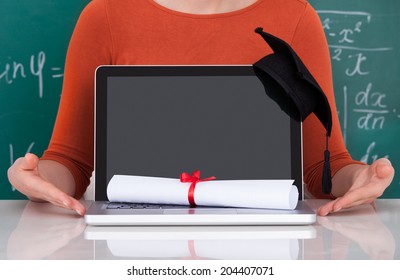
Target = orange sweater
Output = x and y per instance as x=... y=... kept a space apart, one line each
x=143 y=32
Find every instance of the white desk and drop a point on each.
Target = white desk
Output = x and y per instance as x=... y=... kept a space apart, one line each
x=41 y=231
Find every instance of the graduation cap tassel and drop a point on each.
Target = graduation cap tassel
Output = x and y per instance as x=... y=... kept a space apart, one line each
x=326 y=175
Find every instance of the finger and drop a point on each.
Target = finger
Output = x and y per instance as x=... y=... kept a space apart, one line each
x=79 y=208
x=74 y=204
x=385 y=170
x=60 y=198
x=384 y=161
x=324 y=210
x=381 y=169
x=71 y=204
x=29 y=162
x=337 y=205
x=43 y=190
x=327 y=208
x=357 y=203
x=358 y=196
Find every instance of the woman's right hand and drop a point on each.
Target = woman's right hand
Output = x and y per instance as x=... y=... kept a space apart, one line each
x=27 y=176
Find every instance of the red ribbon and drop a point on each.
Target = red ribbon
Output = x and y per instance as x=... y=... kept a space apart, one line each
x=194 y=178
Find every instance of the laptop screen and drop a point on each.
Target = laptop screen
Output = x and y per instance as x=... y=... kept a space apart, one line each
x=164 y=120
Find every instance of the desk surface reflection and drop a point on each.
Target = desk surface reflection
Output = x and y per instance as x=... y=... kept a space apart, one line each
x=41 y=231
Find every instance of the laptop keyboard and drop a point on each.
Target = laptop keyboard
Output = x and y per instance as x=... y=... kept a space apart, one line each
x=122 y=206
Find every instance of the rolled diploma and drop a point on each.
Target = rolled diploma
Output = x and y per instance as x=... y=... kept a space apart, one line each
x=272 y=194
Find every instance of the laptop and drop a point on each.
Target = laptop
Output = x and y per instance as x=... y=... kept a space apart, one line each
x=161 y=121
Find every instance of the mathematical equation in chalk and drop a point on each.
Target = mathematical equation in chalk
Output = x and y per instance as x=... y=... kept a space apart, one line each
x=366 y=102
x=344 y=40
x=13 y=71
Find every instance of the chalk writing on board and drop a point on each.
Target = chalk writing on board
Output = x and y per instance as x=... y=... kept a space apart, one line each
x=372 y=107
x=344 y=38
x=369 y=155
x=367 y=104
x=12 y=159
x=13 y=70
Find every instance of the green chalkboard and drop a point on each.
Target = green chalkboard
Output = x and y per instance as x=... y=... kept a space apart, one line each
x=34 y=37
x=365 y=52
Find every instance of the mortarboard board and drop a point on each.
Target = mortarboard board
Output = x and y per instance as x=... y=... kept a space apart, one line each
x=289 y=83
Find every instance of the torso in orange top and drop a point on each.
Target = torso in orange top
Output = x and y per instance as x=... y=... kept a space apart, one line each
x=142 y=32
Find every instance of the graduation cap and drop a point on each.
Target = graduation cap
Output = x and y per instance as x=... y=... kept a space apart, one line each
x=289 y=83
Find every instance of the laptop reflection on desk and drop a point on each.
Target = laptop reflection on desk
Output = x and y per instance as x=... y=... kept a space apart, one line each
x=217 y=242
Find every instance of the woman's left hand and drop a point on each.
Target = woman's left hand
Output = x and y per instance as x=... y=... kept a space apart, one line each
x=369 y=183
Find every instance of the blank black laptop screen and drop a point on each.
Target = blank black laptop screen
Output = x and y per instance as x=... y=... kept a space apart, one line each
x=162 y=121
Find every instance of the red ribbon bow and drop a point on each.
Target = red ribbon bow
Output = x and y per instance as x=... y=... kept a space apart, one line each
x=194 y=178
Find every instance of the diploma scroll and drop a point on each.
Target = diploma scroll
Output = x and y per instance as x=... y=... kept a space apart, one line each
x=271 y=194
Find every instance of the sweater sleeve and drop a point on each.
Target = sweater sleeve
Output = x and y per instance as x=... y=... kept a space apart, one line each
x=72 y=141
x=310 y=44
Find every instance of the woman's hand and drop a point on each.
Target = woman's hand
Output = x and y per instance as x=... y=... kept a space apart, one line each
x=44 y=181
x=368 y=183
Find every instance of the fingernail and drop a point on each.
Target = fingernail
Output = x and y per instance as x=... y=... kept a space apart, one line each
x=79 y=212
x=321 y=213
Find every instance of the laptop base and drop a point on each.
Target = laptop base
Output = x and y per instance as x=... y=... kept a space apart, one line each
x=99 y=215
